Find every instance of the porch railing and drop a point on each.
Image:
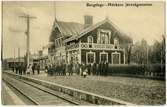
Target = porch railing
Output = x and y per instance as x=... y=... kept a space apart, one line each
x=96 y=46
x=92 y=46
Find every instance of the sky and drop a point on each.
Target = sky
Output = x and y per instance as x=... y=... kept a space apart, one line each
x=137 y=22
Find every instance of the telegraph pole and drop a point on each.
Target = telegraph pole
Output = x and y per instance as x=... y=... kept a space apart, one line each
x=28 y=18
x=147 y=54
x=14 y=59
x=19 y=54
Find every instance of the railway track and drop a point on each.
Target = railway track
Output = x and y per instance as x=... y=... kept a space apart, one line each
x=40 y=95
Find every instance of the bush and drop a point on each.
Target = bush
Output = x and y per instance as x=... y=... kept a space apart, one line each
x=157 y=69
x=126 y=69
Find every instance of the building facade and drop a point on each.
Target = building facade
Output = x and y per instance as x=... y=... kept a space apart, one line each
x=89 y=43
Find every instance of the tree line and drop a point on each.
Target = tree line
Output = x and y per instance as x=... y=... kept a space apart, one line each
x=143 y=53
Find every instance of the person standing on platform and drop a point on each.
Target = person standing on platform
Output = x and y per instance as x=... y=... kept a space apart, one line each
x=33 y=69
x=81 y=69
x=20 y=68
x=38 y=68
x=46 y=68
x=64 y=69
x=100 y=68
x=88 y=66
x=24 y=68
x=13 y=67
x=94 y=69
x=103 y=68
x=91 y=68
x=85 y=71
x=77 y=68
x=106 y=68
x=70 y=69
x=97 y=69
x=16 y=67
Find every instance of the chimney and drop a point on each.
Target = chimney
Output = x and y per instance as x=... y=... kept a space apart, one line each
x=88 y=21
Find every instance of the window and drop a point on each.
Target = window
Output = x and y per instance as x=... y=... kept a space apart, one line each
x=90 y=39
x=104 y=36
x=90 y=56
x=59 y=42
x=56 y=43
x=116 y=43
x=103 y=57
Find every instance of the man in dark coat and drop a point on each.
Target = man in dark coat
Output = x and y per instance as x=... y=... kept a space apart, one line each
x=38 y=68
x=54 y=69
x=82 y=69
x=94 y=69
x=106 y=68
x=19 y=68
x=89 y=68
x=99 y=69
x=64 y=69
x=16 y=66
x=49 y=70
x=13 y=67
x=70 y=69
x=103 y=68
x=77 y=68
x=24 y=69
x=33 y=69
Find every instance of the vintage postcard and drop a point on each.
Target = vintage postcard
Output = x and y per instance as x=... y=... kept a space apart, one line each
x=83 y=53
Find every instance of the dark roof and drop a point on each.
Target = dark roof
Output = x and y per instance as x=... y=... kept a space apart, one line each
x=70 y=28
x=122 y=35
x=73 y=30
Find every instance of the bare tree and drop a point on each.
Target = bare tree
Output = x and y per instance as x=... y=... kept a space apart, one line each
x=140 y=51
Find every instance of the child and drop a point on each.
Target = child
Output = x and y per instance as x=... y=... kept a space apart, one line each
x=85 y=72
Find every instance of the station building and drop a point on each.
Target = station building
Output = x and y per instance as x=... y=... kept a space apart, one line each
x=88 y=42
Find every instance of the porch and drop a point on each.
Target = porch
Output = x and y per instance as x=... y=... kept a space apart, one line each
x=93 y=52
x=94 y=46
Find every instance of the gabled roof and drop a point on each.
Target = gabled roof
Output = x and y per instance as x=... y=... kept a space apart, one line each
x=68 y=28
x=85 y=31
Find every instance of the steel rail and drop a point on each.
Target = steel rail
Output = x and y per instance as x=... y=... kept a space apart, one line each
x=76 y=103
x=28 y=97
x=36 y=103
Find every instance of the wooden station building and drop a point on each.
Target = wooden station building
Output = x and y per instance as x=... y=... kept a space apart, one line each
x=88 y=42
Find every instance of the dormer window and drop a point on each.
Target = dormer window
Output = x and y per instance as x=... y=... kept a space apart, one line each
x=116 y=43
x=104 y=36
x=90 y=39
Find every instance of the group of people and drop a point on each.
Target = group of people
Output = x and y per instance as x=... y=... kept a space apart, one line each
x=63 y=69
x=94 y=69
x=22 y=68
x=32 y=67
x=19 y=68
x=79 y=69
x=56 y=69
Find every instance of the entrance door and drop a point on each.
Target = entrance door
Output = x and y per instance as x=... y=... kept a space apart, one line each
x=116 y=58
